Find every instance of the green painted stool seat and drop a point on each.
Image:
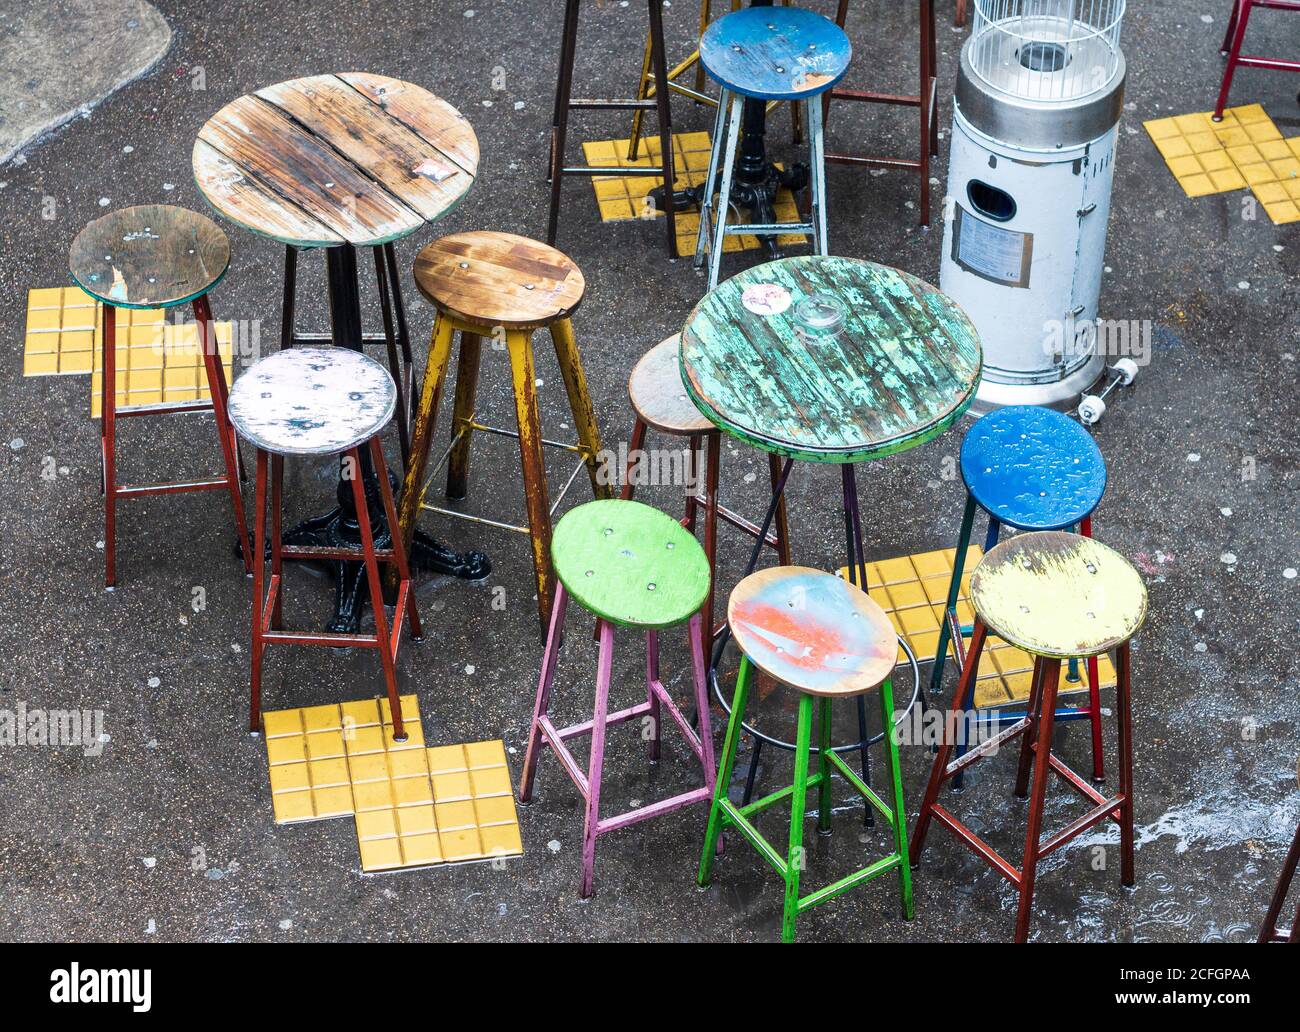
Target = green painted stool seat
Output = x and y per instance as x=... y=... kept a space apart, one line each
x=1059 y=595
x=813 y=631
x=630 y=564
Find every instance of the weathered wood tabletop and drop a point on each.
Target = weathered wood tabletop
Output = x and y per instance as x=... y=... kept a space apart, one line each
x=830 y=359
x=332 y=159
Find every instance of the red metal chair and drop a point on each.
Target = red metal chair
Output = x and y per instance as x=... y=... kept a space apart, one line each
x=1232 y=41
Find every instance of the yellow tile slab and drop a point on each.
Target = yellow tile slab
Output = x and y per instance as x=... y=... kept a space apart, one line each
x=620 y=198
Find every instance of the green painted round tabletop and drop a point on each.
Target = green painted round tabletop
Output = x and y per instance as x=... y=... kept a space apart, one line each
x=898 y=369
x=630 y=564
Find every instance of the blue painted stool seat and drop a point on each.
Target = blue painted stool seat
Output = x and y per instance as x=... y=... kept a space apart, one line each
x=775 y=53
x=1033 y=468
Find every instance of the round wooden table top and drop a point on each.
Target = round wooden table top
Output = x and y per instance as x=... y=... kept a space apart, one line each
x=830 y=359
x=499 y=279
x=332 y=159
x=149 y=256
x=1058 y=595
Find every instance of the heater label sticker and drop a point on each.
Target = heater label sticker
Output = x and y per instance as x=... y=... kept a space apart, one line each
x=994 y=253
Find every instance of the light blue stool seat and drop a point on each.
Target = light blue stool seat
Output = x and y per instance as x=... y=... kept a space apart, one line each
x=775 y=53
x=1033 y=468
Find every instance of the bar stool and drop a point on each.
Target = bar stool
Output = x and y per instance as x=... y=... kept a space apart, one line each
x=767 y=53
x=484 y=285
x=1058 y=596
x=1030 y=468
x=155 y=256
x=661 y=403
x=632 y=567
x=319 y=402
x=1270 y=930
x=828 y=640
x=564 y=103
x=1235 y=36
x=926 y=102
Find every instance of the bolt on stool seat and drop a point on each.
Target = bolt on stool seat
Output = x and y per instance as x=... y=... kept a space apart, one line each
x=155 y=256
x=1030 y=468
x=828 y=640
x=319 y=402
x=633 y=567
x=1058 y=596
x=767 y=53
x=661 y=403
x=498 y=285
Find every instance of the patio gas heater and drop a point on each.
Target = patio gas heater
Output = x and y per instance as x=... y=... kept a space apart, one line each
x=1039 y=94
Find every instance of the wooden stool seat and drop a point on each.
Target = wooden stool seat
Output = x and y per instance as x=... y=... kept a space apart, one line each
x=499 y=279
x=1033 y=468
x=312 y=401
x=630 y=564
x=149 y=256
x=813 y=631
x=775 y=53
x=658 y=396
x=1059 y=595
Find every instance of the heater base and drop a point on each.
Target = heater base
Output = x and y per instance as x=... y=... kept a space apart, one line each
x=1059 y=394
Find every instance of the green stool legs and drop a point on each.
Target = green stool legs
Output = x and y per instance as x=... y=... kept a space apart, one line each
x=724 y=813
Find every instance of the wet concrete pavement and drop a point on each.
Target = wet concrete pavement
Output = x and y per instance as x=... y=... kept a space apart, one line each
x=167 y=835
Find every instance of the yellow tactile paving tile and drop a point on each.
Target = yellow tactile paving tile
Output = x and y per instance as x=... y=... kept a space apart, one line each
x=414 y=806
x=912 y=590
x=1245 y=150
x=624 y=197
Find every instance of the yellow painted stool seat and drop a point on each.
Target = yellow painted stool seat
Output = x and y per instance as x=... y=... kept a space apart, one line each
x=658 y=396
x=1059 y=595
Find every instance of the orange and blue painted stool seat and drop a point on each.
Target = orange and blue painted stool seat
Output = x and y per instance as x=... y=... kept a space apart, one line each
x=775 y=53
x=824 y=637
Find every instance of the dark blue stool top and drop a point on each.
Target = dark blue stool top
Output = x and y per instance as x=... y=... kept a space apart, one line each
x=775 y=53
x=1032 y=468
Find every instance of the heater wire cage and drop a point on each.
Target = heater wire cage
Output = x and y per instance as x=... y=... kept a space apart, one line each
x=1046 y=50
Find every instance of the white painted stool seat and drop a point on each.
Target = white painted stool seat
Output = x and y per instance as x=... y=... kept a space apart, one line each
x=312 y=401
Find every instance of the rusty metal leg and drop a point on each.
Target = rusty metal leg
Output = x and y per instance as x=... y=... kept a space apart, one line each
x=663 y=108
x=467 y=367
x=584 y=418
x=1124 y=724
x=543 y=701
x=216 y=387
x=1268 y=929
x=1094 y=693
x=560 y=119
x=642 y=93
x=403 y=331
x=1242 y=14
x=782 y=522
x=1031 y=729
x=108 y=443
x=595 y=766
x=377 y=595
x=713 y=463
x=288 y=303
x=959 y=16
x=634 y=447
x=395 y=363
x=277 y=557
x=694 y=445
x=259 y=596
x=1042 y=757
x=520 y=345
x=652 y=700
x=405 y=588
x=924 y=108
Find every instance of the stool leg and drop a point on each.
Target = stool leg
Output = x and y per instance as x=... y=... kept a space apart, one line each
x=899 y=807
x=1094 y=693
x=1124 y=723
x=216 y=388
x=651 y=675
x=694 y=448
x=560 y=120
x=642 y=92
x=1042 y=769
x=782 y=522
x=824 y=765
x=520 y=346
x=857 y=567
x=259 y=596
x=108 y=443
x=1234 y=55
x=1232 y=28
x=543 y=703
x=707 y=204
x=965 y=687
x=1269 y=927
x=954 y=589
x=591 y=826
x=821 y=232
x=395 y=364
x=926 y=12
x=288 y=301
x=399 y=560
x=584 y=418
x=725 y=766
x=959 y=16
x=663 y=108
x=435 y=371
x=700 y=675
x=467 y=367
x=724 y=193
x=1031 y=730
x=795 y=858
x=634 y=447
x=713 y=463
x=377 y=592
x=277 y=557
